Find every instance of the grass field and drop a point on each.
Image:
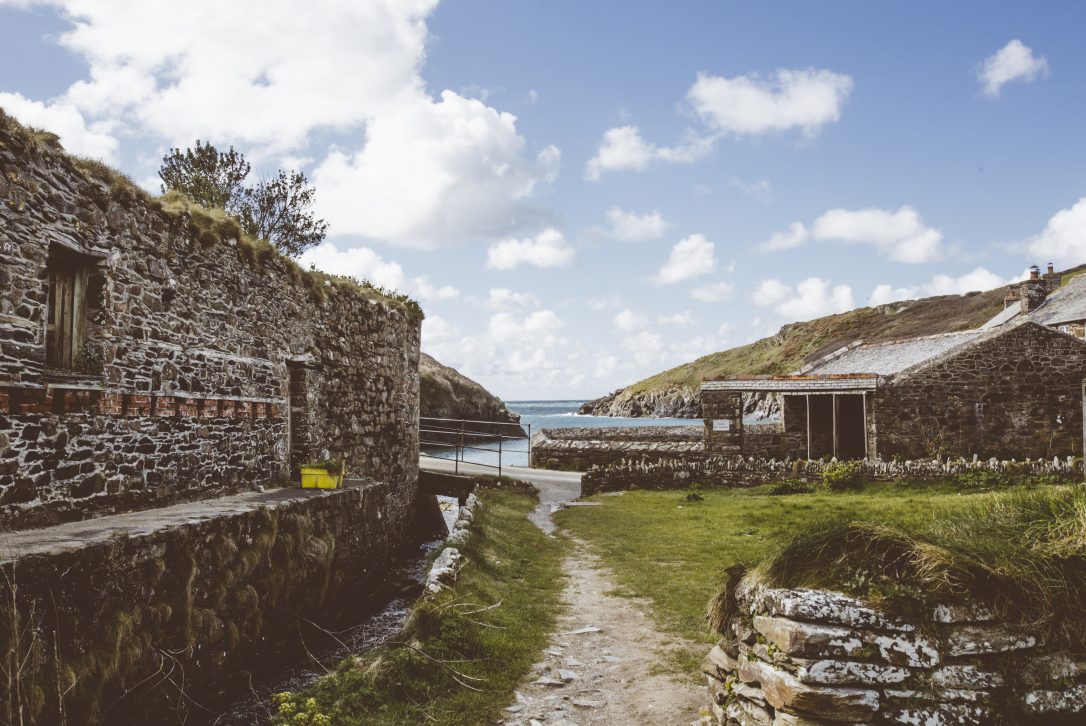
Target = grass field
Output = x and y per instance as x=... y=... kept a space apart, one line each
x=674 y=551
x=464 y=650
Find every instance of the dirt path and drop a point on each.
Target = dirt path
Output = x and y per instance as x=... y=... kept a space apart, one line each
x=604 y=664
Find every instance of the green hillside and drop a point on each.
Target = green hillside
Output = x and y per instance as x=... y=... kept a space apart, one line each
x=670 y=393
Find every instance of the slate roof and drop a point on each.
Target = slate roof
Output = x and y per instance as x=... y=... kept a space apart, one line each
x=887 y=358
x=1064 y=305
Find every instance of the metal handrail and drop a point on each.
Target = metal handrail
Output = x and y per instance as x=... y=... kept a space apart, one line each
x=459 y=447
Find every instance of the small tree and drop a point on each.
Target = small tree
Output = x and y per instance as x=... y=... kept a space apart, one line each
x=278 y=209
x=206 y=175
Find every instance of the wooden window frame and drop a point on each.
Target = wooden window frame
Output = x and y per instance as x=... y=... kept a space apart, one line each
x=68 y=276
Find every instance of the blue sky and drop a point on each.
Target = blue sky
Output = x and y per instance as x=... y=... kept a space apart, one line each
x=582 y=194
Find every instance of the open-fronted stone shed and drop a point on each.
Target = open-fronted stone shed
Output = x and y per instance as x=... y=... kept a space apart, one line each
x=1014 y=390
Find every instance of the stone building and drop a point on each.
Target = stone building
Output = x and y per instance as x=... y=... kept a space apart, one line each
x=1013 y=390
x=150 y=354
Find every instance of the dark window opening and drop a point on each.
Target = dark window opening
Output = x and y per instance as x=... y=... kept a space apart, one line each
x=70 y=276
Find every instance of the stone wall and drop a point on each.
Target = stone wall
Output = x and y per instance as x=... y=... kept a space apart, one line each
x=790 y=657
x=578 y=449
x=737 y=471
x=1017 y=394
x=188 y=597
x=193 y=339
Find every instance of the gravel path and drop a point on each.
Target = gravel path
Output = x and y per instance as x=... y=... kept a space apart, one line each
x=603 y=665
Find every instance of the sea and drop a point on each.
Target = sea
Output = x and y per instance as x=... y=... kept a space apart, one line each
x=546 y=415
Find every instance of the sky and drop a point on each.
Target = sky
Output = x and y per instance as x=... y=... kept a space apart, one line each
x=584 y=194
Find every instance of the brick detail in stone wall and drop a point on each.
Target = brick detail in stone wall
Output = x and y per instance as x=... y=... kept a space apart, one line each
x=178 y=324
x=812 y=656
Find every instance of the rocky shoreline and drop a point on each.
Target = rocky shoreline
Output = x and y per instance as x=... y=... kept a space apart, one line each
x=671 y=402
x=446 y=393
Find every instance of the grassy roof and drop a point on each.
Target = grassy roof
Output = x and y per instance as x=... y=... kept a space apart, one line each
x=210 y=227
x=1021 y=553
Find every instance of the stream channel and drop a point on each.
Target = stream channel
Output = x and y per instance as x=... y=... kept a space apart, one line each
x=324 y=647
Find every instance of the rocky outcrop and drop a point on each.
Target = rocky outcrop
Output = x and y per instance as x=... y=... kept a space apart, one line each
x=670 y=402
x=446 y=393
x=812 y=657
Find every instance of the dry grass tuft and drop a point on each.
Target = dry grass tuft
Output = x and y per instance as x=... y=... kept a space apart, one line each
x=1021 y=553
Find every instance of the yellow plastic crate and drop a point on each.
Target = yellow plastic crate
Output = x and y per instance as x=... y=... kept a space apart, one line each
x=320 y=479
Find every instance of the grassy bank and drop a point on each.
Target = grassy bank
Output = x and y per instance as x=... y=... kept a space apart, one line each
x=464 y=650
x=675 y=551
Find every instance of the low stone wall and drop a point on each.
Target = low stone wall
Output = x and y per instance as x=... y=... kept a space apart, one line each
x=790 y=657
x=634 y=473
x=580 y=448
x=131 y=618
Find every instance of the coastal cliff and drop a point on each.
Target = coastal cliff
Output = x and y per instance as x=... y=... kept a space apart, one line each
x=674 y=393
x=446 y=393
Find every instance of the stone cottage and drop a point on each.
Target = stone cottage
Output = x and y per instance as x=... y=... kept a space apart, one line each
x=1012 y=390
x=150 y=354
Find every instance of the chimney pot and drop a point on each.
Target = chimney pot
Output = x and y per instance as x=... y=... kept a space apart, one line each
x=1051 y=269
x=1034 y=272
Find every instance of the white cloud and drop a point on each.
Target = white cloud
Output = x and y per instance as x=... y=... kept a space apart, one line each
x=66 y=121
x=435 y=329
x=422 y=170
x=690 y=257
x=604 y=302
x=629 y=321
x=623 y=149
x=633 y=227
x=360 y=262
x=547 y=249
x=426 y=290
x=501 y=298
x=902 y=235
x=714 y=292
x=507 y=327
x=1063 y=239
x=751 y=104
x=605 y=366
x=644 y=346
x=432 y=174
x=679 y=319
x=979 y=279
x=1013 y=62
x=796 y=235
x=811 y=298
x=759 y=191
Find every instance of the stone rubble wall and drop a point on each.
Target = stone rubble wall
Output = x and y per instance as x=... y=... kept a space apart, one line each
x=195 y=340
x=1017 y=394
x=205 y=596
x=580 y=448
x=447 y=564
x=737 y=471
x=790 y=657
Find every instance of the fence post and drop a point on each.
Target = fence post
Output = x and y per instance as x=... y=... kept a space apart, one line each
x=459 y=450
x=529 y=445
x=499 y=458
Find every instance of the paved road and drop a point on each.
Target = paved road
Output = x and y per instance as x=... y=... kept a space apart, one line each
x=555 y=487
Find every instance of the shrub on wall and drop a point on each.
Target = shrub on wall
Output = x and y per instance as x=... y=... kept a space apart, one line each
x=843 y=476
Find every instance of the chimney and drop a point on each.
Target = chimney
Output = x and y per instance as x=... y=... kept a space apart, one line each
x=1052 y=279
x=1033 y=291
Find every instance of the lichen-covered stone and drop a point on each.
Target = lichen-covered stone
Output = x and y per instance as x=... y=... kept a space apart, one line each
x=822 y=606
x=966 y=640
x=781 y=689
x=1063 y=701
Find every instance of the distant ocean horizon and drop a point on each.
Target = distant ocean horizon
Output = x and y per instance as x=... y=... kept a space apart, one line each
x=551 y=415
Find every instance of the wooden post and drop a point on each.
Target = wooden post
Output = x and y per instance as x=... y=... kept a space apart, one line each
x=833 y=405
x=808 y=397
x=863 y=402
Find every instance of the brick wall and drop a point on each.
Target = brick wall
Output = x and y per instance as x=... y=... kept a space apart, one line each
x=195 y=342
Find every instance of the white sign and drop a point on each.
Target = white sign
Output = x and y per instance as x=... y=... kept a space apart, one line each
x=724 y=424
